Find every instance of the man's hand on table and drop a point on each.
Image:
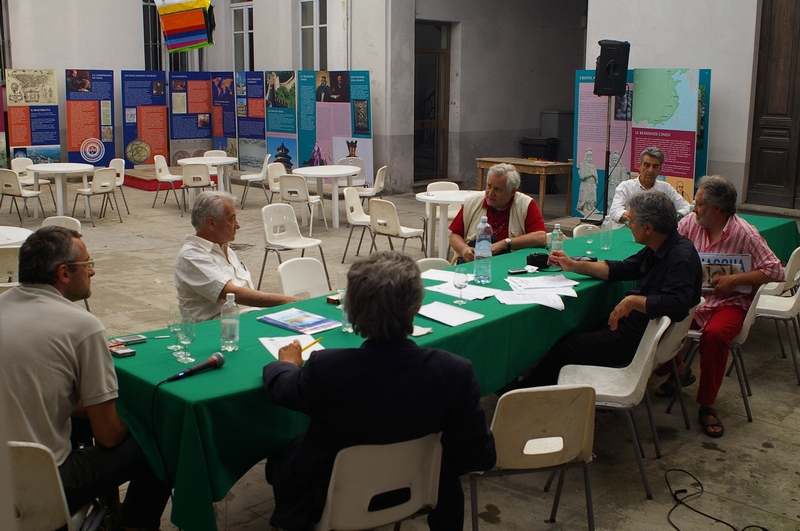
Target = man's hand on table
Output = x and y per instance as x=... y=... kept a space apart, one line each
x=293 y=353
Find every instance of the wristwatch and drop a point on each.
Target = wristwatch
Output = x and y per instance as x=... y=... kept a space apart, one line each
x=508 y=244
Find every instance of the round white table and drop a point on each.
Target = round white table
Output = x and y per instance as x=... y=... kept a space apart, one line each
x=60 y=170
x=440 y=200
x=13 y=236
x=330 y=174
x=224 y=163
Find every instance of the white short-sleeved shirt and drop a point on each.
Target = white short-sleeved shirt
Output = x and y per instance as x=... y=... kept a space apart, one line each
x=53 y=356
x=201 y=271
x=626 y=190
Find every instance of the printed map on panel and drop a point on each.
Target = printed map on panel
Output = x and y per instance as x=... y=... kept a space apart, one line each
x=666 y=98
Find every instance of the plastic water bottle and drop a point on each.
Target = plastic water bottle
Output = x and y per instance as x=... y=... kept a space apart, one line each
x=605 y=233
x=229 y=334
x=483 y=252
x=557 y=238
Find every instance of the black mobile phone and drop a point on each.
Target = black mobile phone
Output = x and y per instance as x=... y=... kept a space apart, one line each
x=122 y=352
x=517 y=271
x=584 y=258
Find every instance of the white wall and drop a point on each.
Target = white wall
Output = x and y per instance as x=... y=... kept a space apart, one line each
x=718 y=34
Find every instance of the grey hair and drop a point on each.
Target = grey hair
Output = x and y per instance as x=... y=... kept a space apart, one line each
x=509 y=172
x=384 y=293
x=209 y=204
x=719 y=191
x=654 y=152
x=655 y=208
x=44 y=251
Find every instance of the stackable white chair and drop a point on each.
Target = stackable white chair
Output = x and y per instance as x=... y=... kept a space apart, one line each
x=294 y=189
x=282 y=233
x=377 y=186
x=259 y=177
x=104 y=182
x=788 y=286
x=195 y=176
x=363 y=473
x=303 y=277
x=214 y=153
x=785 y=310
x=384 y=220
x=581 y=230
x=9 y=186
x=542 y=429
x=62 y=221
x=432 y=263
x=452 y=209
x=274 y=172
x=39 y=501
x=622 y=389
x=119 y=167
x=357 y=180
x=20 y=166
x=355 y=218
x=163 y=175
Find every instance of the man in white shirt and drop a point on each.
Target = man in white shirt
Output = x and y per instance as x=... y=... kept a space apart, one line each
x=650 y=162
x=206 y=269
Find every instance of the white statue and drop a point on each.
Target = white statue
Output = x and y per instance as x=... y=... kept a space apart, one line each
x=618 y=174
x=587 y=193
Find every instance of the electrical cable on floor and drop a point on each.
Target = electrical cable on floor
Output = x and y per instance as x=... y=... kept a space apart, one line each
x=681 y=501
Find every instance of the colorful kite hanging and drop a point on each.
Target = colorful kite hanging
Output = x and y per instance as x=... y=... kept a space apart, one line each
x=187 y=25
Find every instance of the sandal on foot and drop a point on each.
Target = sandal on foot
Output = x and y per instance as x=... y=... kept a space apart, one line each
x=710 y=412
x=667 y=389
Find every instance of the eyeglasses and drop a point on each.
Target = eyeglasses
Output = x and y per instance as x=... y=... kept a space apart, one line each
x=87 y=263
x=629 y=222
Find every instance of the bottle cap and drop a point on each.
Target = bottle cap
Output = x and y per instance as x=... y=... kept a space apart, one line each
x=484 y=219
x=230 y=297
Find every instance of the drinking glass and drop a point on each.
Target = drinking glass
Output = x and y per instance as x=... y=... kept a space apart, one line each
x=590 y=234
x=460 y=279
x=174 y=320
x=186 y=335
x=341 y=287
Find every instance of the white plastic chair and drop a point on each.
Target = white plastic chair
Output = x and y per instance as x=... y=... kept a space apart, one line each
x=20 y=166
x=294 y=189
x=163 y=175
x=9 y=186
x=670 y=345
x=274 y=172
x=735 y=350
x=542 y=429
x=119 y=167
x=357 y=180
x=582 y=229
x=104 y=182
x=303 y=277
x=432 y=263
x=623 y=388
x=39 y=500
x=259 y=177
x=783 y=309
x=384 y=220
x=195 y=176
x=452 y=208
x=355 y=218
x=62 y=221
x=282 y=233
x=361 y=473
x=792 y=274
x=377 y=186
x=214 y=153
x=9 y=268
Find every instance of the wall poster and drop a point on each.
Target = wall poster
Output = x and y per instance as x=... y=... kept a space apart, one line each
x=144 y=107
x=33 y=126
x=90 y=116
x=190 y=114
x=251 y=119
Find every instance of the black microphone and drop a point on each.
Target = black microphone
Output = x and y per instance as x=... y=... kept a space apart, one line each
x=216 y=361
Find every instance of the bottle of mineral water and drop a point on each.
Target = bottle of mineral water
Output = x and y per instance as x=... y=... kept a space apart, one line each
x=605 y=233
x=483 y=252
x=557 y=238
x=229 y=334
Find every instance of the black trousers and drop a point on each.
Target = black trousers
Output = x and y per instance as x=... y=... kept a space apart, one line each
x=600 y=347
x=93 y=470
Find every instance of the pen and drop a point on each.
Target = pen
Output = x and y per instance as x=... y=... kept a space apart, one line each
x=311 y=344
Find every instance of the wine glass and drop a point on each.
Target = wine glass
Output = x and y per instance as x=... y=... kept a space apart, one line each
x=590 y=234
x=460 y=279
x=174 y=320
x=186 y=335
x=341 y=286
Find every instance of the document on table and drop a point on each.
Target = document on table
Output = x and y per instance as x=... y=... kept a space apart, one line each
x=448 y=314
x=546 y=298
x=443 y=275
x=470 y=293
x=540 y=282
x=274 y=344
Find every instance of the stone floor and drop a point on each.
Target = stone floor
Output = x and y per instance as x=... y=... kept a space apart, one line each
x=749 y=477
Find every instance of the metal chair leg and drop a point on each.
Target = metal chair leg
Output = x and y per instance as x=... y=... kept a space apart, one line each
x=637 y=448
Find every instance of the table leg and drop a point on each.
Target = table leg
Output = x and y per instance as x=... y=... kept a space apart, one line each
x=444 y=241
x=542 y=190
x=569 y=194
x=335 y=202
x=430 y=214
x=480 y=178
x=86 y=204
x=35 y=187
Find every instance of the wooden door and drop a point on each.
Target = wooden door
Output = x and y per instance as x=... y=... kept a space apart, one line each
x=774 y=169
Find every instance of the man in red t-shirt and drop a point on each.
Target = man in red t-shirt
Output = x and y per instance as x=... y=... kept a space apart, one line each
x=515 y=218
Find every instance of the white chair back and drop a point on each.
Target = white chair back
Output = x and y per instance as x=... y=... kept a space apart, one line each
x=302 y=277
x=196 y=176
x=359 y=179
x=749 y=319
x=673 y=338
x=294 y=188
x=119 y=167
x=104 y=181
x=432 y=263
x=439 y=186
x=581 y=230
x=215 y=153
x=162 y=169
x=280 y=225
x=355 y=212
x=274 y=172
x=383 y=217
x=360 y=473
x=62 y=221
x=380 y=180
x=9 y=183
x=20 y=165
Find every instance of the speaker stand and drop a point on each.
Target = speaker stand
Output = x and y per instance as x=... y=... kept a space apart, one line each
x=596 y=218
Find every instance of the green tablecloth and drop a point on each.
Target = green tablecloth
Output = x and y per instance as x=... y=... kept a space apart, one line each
x=216 y=425
x=780 y=233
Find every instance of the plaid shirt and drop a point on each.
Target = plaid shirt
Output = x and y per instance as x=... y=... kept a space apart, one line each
x=738 y=237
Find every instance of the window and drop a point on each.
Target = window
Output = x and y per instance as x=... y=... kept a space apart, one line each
x=243 y=49
x=153 y=50
x=314 y=34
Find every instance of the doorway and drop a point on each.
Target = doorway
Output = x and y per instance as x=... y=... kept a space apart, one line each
x=431 y=111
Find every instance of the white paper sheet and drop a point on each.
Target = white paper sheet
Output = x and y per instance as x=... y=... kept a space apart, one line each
x=550 y=300
x=421 y=331
x=448 y=314
x=538 y=282
x=443 y=275
x=274 y=344
x=471 y=292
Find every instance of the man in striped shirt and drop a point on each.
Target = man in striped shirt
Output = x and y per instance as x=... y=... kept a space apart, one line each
x=714 y=227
